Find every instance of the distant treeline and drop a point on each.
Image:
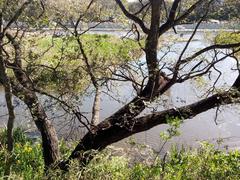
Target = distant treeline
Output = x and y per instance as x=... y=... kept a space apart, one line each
x=222 y=10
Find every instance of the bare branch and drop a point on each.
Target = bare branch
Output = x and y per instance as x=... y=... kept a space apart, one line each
x=212 y=47
x=132 y=17
x=16 y=15
x=171 y=22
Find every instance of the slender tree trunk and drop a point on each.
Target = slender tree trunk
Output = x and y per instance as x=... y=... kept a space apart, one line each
x=10 y=126
x=8 y=97
x=24 y=90
x=96 y=108
x=11 y=116
x=44 y=125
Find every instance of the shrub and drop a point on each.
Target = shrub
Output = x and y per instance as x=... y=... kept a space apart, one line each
x=205 y=162
x=229 y=38
x=26 y=158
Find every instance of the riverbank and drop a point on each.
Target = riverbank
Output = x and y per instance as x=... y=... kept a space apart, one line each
x=138 y=162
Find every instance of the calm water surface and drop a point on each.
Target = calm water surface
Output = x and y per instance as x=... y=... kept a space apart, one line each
x=201 y=127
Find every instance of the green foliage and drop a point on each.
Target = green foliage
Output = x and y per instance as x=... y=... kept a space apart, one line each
x=205 y=162
x=228 y=38
x=66 y=11
x=18 y=136
x=226 y=10
x=106 y=167
x=172 y=131
x=31 y=16
x=26 y=158
x=57 y=62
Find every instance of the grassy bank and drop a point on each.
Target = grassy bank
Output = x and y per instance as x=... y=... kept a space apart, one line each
x=203 y=163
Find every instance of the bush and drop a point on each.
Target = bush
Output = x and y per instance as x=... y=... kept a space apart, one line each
x=229 y=38
x=26 y=158
x=206 y=162
x=18 y=136
x=67 y=68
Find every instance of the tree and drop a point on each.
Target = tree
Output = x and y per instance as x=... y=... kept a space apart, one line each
x=150 y=21
x=20 y=84
x=221 y=10
x=19 y=70
x=125 y=122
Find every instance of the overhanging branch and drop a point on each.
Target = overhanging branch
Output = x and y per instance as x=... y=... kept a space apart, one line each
x=114 y=133
x=212 y=47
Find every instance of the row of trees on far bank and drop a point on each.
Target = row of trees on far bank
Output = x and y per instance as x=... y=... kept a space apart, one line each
x=222 y=10
x=77 y=61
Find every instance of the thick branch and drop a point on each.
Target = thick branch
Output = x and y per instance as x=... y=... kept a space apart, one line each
x=18 y=71
x=106 y=135
x=173 y=10
x=112 y=134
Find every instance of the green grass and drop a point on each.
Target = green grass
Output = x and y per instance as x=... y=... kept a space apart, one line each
x=205 y=162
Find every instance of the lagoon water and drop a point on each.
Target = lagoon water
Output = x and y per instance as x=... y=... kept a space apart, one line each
x=199 y=128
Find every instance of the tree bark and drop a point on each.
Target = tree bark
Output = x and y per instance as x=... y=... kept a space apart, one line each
x=24 y=90
x=11 y=115
x=44 y=125
x=96 y=108
x=8 y=97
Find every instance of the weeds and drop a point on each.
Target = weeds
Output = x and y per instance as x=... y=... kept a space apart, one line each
x=206 y=162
